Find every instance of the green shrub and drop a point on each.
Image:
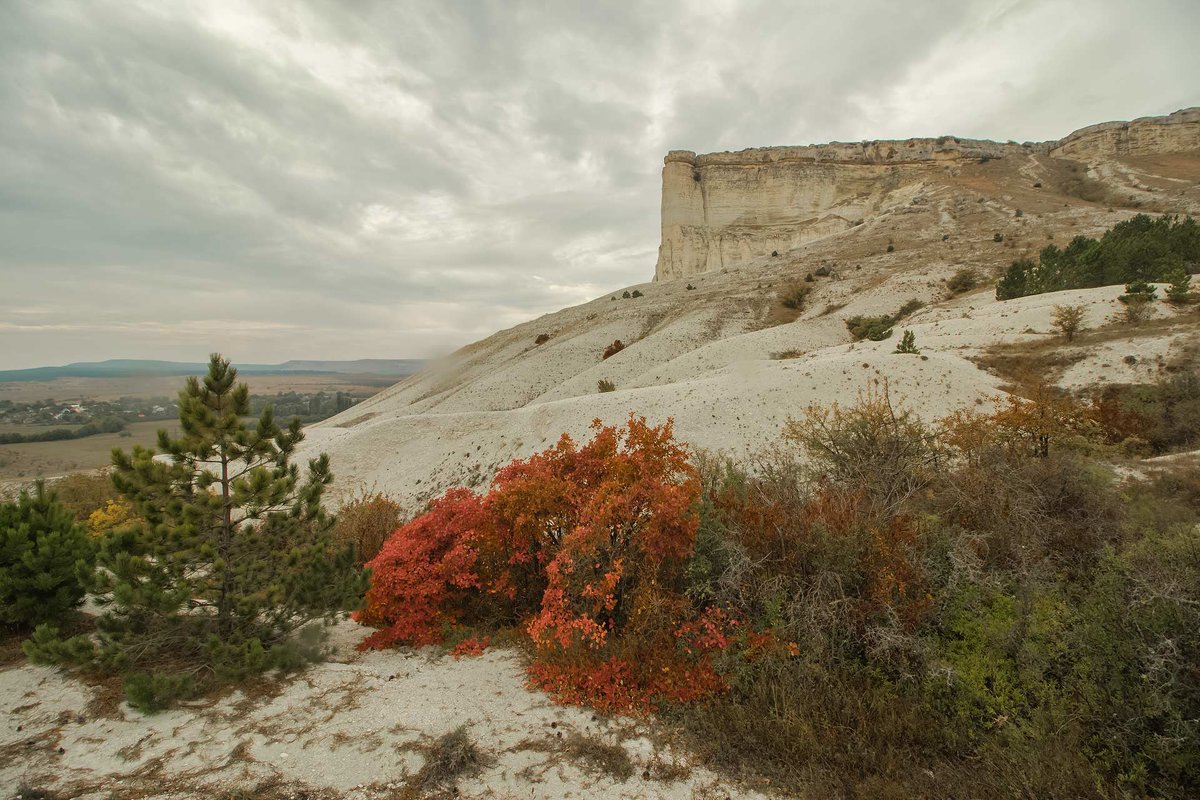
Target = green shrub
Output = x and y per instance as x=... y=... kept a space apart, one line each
x=1138 y=291
x=909 y=308
x=605 y=385
x=46 y=560
x=874 y=328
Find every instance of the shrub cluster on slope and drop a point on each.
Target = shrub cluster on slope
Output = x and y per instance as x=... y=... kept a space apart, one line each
x=1139 y=249
x=973 y=604
x=968 y=609
x=879 y=328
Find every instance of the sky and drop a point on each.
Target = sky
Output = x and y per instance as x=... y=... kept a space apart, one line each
x=334 y=180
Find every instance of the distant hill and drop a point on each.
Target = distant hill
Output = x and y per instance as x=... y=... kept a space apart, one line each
x=128 y=368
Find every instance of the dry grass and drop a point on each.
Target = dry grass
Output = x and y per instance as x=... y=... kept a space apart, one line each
x=1048 y=358
x=366 y=521
x=588 y=753
x=448 y=758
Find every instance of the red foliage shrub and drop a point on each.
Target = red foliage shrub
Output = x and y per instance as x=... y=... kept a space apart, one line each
x=471 y=647
x=420 y=579
x=613 y=349
x=582 y=545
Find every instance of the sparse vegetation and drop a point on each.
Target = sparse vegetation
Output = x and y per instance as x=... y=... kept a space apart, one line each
x=448 y=759
x=595 y=755
x=541 y=339
x=636 y=293
x=793 y=296
x=963 y=281
x=997 y=237
x=910 y=307
x=605 y=385
x=1068 y=320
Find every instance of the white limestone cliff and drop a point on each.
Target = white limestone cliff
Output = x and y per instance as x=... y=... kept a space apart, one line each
x=724 y=209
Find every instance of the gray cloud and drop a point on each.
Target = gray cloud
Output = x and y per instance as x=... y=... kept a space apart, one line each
x=320 y=179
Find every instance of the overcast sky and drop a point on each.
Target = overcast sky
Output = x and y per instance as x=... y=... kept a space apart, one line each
x=329 y=179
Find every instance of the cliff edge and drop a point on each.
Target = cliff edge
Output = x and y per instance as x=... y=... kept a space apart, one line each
x=724 y=209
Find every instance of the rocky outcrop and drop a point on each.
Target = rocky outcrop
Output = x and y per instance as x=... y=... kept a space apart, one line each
x=1174 y=133
x=724 y=209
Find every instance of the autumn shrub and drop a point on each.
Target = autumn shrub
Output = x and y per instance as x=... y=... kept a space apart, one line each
x=614 y=348
x=423 y=576
x=84 y=492
x=1068 y=320
x=1165 y=414
x=581 y=546
x=982 y=615
x=365 y=521
x=114 y=514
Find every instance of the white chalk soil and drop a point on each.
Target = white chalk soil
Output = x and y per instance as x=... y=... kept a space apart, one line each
x=356 y=727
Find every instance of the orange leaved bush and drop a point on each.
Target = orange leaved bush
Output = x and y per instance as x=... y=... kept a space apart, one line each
x=583 y=546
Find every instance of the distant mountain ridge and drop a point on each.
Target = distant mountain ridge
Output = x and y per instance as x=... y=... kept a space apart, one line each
x=132 y=367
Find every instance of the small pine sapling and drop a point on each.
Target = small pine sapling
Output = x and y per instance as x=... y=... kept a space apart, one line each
x=908 y=344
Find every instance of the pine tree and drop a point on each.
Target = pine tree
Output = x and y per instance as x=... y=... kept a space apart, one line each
x=46 y=559
x=229 y=558
x=1180 y=290
x=908 y=344
x=1138 y=291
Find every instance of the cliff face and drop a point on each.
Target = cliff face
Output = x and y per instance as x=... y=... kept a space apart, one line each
x=722 y=209
x=1178 y=132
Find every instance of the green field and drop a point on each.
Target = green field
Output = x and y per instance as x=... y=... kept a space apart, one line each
x=51 y=459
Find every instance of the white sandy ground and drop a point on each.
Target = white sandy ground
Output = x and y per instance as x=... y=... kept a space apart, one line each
x=728 y=394
x=352 y=728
